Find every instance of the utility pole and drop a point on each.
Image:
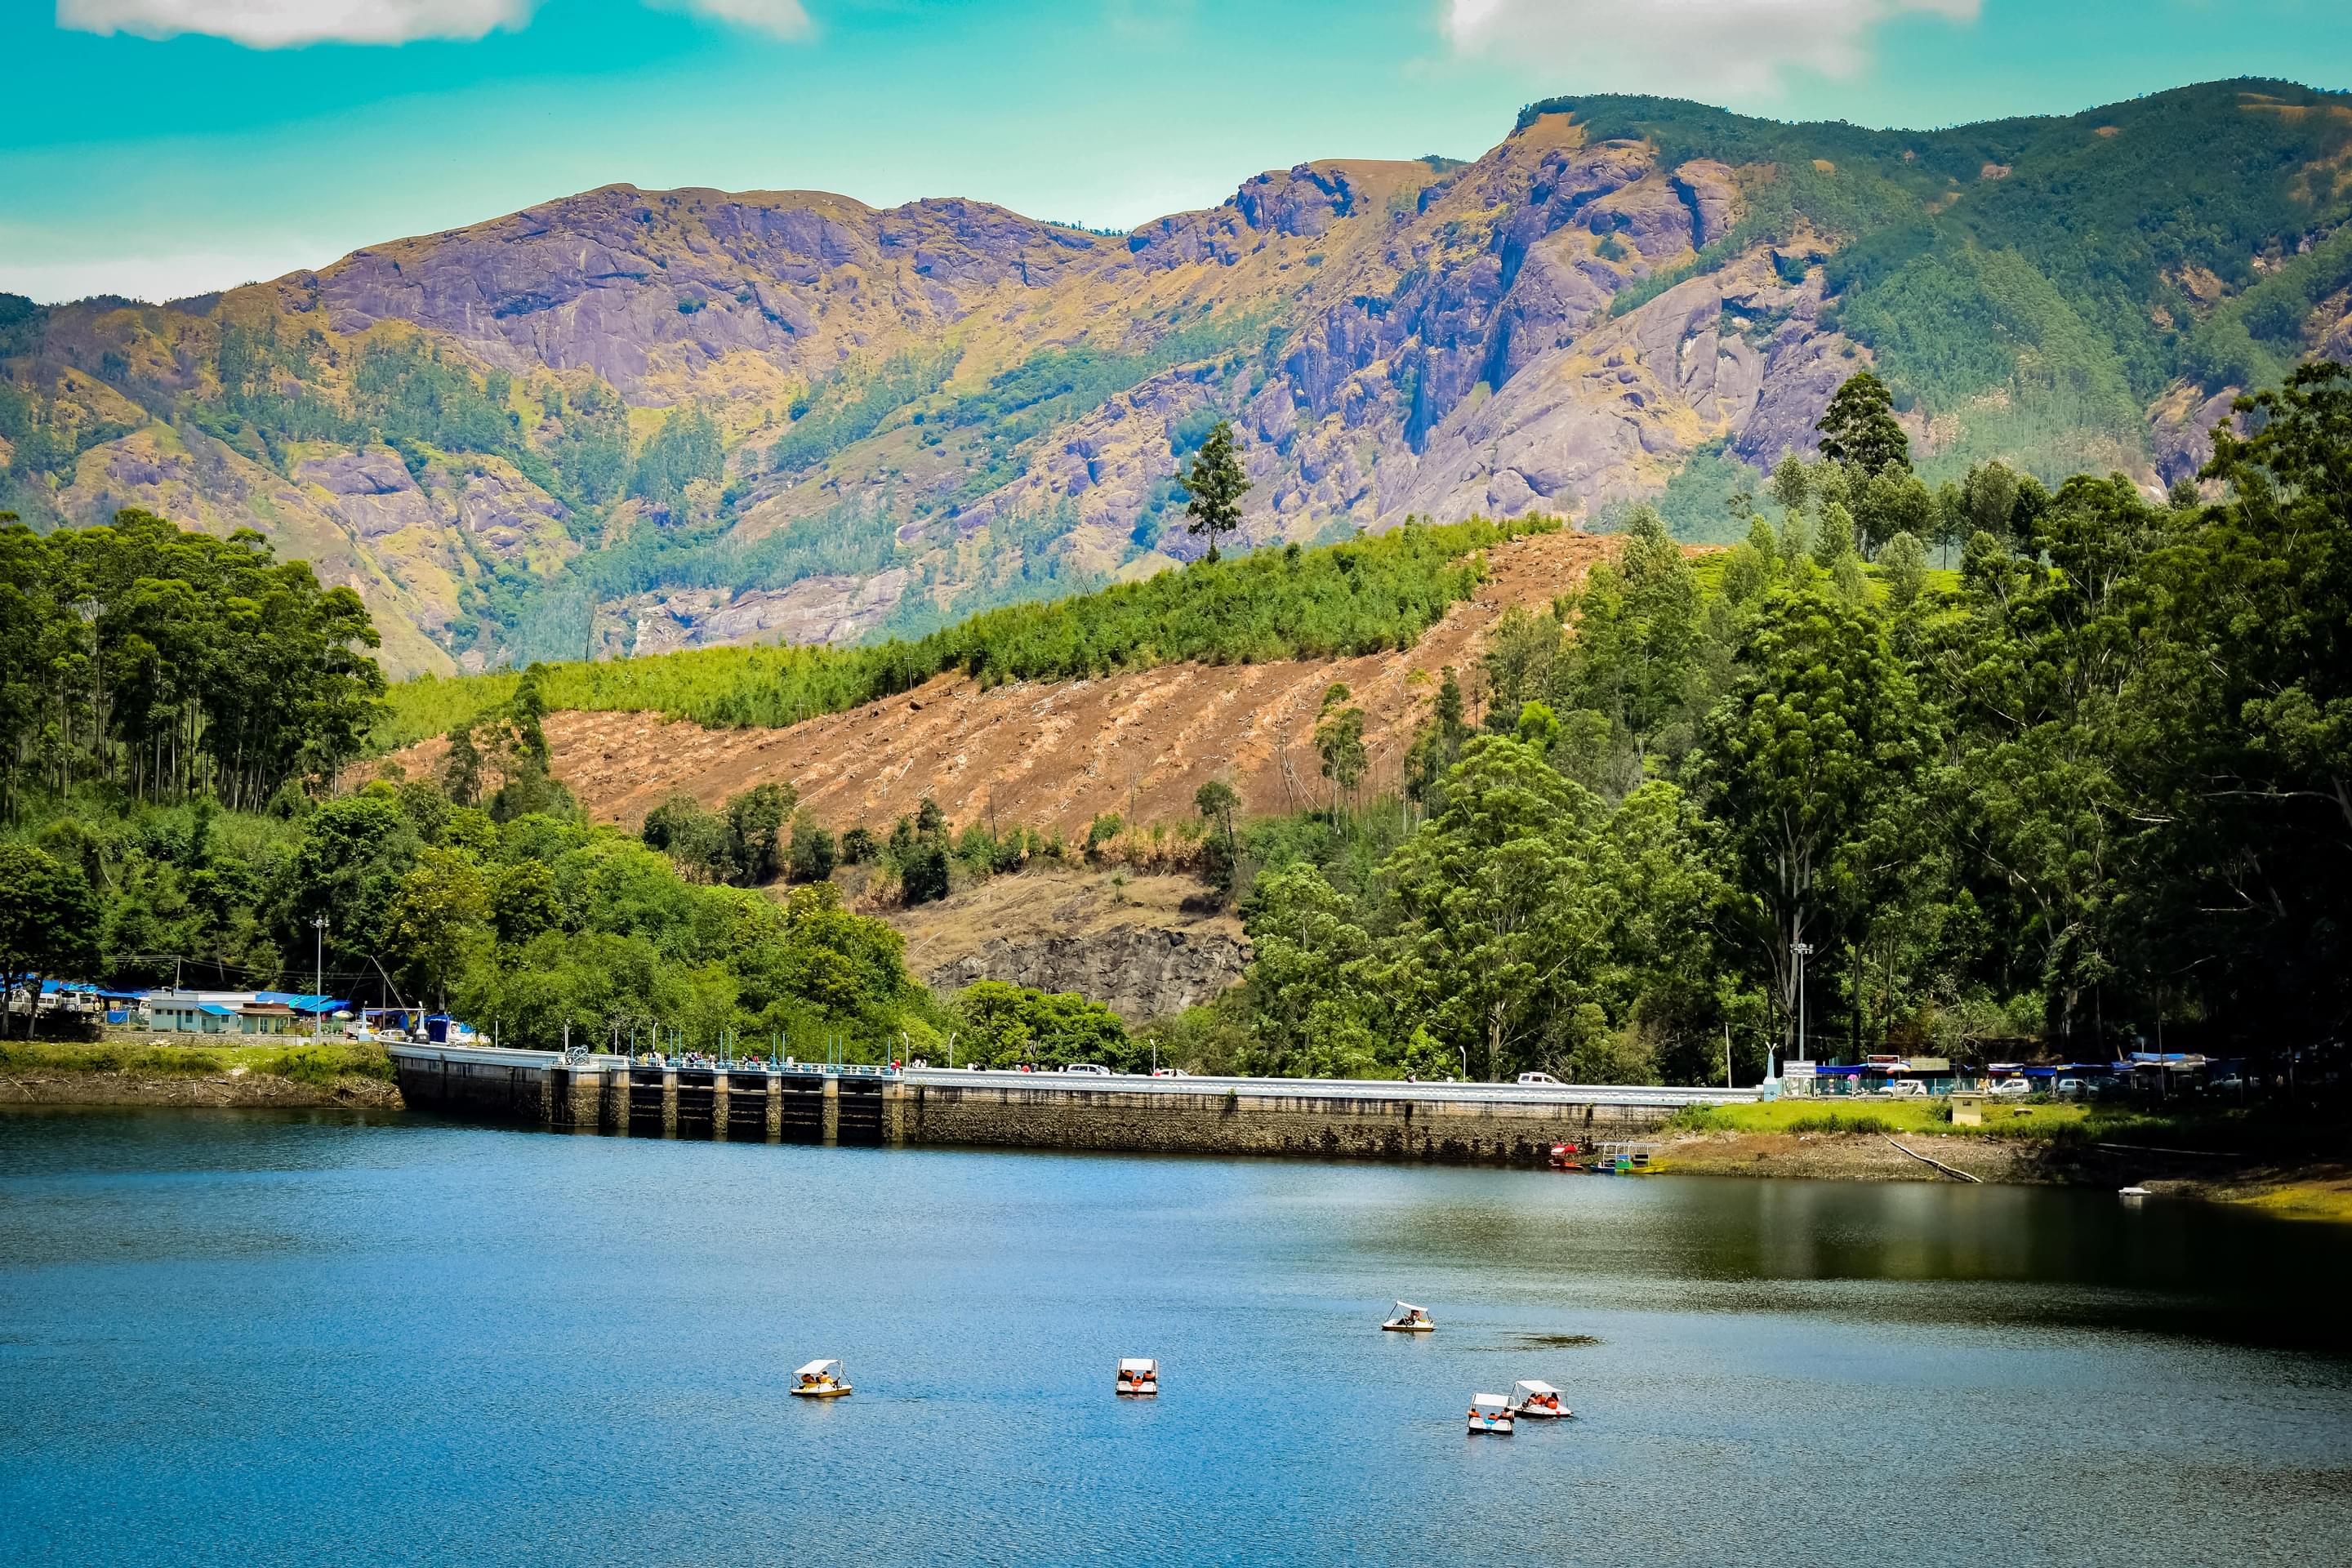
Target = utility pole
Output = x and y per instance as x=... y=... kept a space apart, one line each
x=1803 y=949
x=317 y=973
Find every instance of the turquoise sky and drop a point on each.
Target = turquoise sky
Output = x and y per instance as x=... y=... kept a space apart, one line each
x=165 y=147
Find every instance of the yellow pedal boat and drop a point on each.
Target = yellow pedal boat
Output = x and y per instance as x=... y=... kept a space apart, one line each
x=820 y=1380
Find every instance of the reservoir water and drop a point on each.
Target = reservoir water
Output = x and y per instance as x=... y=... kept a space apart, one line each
x=253 y=1338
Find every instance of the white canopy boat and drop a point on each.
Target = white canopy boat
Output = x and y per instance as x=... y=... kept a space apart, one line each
x=1137 y=1376
x=1490 y=1413
x=820 y=1380
x=1539 y=1400
x=1409 y=1319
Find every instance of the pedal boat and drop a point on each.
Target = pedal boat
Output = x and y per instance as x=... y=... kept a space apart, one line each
x=1540 y=1401
x=820 y=1380
x=1409 y=1319
x=1137 y=1376
x=1490 y=1413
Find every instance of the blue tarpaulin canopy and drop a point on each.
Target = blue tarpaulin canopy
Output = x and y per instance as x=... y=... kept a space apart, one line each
x=216 y=1010
x=302 y=1002
x=77 y=988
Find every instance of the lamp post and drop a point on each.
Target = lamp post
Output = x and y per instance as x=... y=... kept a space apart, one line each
x=318 y=973
x=1803 y=949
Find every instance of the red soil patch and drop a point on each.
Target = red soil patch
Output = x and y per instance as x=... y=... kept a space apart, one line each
x=1056 y=754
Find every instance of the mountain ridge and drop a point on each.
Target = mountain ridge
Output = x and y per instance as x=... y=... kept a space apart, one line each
x=629 y=420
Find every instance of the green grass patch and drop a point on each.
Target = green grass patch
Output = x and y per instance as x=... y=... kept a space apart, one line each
x=317 y=1065
x=1880 y=1117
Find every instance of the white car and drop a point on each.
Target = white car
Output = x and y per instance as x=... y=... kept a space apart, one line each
x=1170 y=1072
x=1094 y=1069
x=2015 y=1088
x=1538 y=1078
x=1905 y=1088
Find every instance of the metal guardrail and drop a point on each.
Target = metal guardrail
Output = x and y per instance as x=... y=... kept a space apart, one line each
x=1338 y=1089
x=1566 y=1094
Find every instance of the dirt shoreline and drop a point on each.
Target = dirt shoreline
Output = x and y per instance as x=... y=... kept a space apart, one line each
x=348 y=1091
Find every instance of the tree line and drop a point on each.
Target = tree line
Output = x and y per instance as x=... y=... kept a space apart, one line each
x=167 y=664
x=2095 y=788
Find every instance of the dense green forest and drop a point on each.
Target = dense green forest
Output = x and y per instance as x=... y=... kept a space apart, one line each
x=1356 y=597
x=2093 y=787
x=2097 y=791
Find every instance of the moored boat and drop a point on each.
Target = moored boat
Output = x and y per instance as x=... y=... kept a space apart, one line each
x=1490 y=1413
x=1409 y=1319
x=1627 y=1160
x=1137 y=1376
x=820 y=1380
x=1540 y=1401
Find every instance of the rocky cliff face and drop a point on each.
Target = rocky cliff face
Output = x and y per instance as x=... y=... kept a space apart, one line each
x=1137 y=972
x=632 y=420
x=1138 y=945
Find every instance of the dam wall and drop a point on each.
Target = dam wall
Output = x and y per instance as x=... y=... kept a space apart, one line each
x=813 y=1103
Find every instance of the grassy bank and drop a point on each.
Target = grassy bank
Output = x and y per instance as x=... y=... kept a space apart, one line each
x=2287 y=1161
x=2252 y=1131
x=327 y=1066
x=1893 y=1118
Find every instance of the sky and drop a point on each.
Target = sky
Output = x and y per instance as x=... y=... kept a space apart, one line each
x=162 y=148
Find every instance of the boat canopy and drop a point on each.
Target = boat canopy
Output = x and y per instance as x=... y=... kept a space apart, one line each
x=816 y=1369
x=1489 y=1402
x=1136 y=1363
x=1532 y=1387
x=1407 y=1310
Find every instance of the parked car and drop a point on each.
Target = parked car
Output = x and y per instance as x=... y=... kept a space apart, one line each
x=2072 y=1089
x=1905 y=1088
x=1170 y=1072
x=1095 y=1069
x=2015 y=1088
x=1538 y=1077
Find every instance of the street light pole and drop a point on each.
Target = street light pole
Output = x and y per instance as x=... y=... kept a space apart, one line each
x=317 y=973
x=1803 y=949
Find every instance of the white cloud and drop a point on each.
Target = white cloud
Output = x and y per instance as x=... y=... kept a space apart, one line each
x=284 y=24
x=1731 y=46
x=784 y=18
x=279 y=24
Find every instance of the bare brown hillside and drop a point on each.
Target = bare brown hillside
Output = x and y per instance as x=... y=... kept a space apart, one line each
x=1056 y=754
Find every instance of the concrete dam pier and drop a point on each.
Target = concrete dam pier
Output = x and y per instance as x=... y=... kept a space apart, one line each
x=814 y=1103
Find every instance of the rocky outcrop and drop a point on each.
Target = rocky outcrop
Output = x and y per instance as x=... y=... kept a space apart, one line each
x=1139 y=973
x=813 y=610
x=2181 y=427
x=1143 y=946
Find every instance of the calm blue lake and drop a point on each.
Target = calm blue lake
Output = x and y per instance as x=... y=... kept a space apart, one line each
x=247 y=1338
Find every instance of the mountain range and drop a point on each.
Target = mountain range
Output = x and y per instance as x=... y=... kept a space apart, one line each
x=630 y=421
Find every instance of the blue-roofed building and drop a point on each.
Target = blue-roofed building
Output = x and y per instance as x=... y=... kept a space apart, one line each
x=242 y=1013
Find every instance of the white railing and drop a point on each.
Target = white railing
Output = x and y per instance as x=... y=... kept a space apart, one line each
x=1565 y=1094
